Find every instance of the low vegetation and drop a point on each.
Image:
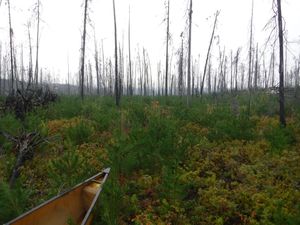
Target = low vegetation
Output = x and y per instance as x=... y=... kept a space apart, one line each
x=214 y=162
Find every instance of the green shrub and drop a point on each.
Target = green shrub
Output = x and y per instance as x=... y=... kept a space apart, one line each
x=66 y=171
x=80 y=133
x=280 y=138
x=10 y=124
x=12 y=201
x=232 y=129
x=65 y=108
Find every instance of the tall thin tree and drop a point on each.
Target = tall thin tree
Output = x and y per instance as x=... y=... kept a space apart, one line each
x=281 y=66
x=250 y=49
x=189 y=51
x=117 y=94
x=0 y=67
x=167 y=48
x=11 y=49
x=36 y=72
x=208 y=51
x=129 y=53
x=83 y=50
x=30 y=66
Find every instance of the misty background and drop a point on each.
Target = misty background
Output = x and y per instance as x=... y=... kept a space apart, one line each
x=62 y=21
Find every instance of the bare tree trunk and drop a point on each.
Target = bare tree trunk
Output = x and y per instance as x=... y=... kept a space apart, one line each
x=158 y=78
x=265 y=73
x=1 y=67
x=231 y=72
x=130 y=66
x=97 y=66
x=30 y=66
x=104 y=75
x=208 y=51
x=236 y=69
x=167 y=48
x=11 y=49
x=69 y=90
x=180 y=70
x=189 y=51
x=22 y=69
x=83 y=50
x=116 y=60
x=273 y=67
x=281 y=66
x=242 y=76
x=37 y=44
x=209 y=77
x=193 y=78
x=91 y=78
x=250 y=49
x=296 y=74
x=250 y=61
x=5 y=71
x=256 y=69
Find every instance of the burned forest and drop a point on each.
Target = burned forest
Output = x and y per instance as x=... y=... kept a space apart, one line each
x=150 y=112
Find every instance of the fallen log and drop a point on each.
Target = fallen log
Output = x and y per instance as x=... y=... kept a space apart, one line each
x=24 y=148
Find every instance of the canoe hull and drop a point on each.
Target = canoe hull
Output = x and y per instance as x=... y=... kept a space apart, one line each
x=72 y=207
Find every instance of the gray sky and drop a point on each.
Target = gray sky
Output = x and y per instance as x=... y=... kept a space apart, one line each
x=62 y=24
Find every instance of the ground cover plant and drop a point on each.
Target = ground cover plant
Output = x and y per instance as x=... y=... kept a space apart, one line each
x=214 y=162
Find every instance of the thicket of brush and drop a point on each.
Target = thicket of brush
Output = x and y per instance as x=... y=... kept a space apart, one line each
x=215 y=162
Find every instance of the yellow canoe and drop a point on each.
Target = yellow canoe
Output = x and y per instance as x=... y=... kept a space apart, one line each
x=72 y=207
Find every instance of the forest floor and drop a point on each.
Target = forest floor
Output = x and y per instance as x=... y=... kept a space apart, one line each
x=215 y=162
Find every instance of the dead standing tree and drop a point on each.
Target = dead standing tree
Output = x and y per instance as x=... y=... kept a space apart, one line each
x=250 y=50
x=250 y=61
x=117 y=91
x=167 y=48
x=97 y=65
x=30 y=66
x=208 y=51
x=180 y=68
x=0 y=65
x=189 y=51
x=11 y=33
x=129 y=55
x=83 y=50
x=36 y=72
x=281 y=66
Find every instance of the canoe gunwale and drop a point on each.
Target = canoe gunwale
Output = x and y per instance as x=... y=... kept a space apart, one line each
x=104 y=174
x=88 y=213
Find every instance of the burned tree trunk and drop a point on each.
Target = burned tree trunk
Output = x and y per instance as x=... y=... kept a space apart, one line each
x=117 y=94
x=189 y=51
x=69 y=89
x=256 y=72
x=250 y=50
x=0 y=68
x=83 y=50
x=24 y=147
x=250 y=60
x=11 y=49
x=236 y=69
x=36 y=72
x=208 y=51
x=97 y=67
x=281 y=66
x=180 y=69
x=129 y=53
x=30 y=67
x=209 y=77
x=167 y=48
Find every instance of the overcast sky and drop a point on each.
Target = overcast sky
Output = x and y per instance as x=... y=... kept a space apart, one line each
x=62 y=24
